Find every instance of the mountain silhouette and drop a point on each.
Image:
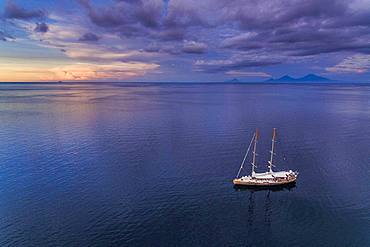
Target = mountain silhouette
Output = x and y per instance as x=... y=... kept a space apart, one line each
x=306 y=78
x=235 y=80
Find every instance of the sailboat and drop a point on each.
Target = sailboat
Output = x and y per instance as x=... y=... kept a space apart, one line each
x=268 y=178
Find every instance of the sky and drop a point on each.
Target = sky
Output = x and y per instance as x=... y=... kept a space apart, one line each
x=183 y=40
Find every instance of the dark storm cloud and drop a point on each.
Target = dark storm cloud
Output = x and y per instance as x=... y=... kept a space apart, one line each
x=41 y=27
x=262 y=15
x=147 y=17
x=299 y=28
x=301 y=42
x=13 y=11
x=227 y=35
x=123 y=13
x=296 y=28
x=89 y=37
x=153 y=19
x=291 y=29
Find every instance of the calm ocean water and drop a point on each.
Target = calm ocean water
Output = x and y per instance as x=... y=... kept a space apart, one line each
x=152 y=165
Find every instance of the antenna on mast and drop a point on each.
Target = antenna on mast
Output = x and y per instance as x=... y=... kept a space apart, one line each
x=272 y=150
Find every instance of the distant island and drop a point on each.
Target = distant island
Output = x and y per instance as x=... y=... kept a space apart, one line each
x=306 y=78
x=235 y=80
x=287 y=78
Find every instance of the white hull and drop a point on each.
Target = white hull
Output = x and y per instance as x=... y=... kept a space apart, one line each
x=267 y=179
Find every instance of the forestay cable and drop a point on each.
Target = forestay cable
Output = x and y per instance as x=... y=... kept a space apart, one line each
x=245 y=156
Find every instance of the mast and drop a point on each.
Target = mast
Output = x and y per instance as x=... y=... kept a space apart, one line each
x=272 y=150
x=254 y=152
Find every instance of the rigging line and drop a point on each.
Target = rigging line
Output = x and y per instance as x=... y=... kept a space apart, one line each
x=245 y=156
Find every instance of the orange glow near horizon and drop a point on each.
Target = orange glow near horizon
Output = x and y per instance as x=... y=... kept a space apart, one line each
x=73 y=72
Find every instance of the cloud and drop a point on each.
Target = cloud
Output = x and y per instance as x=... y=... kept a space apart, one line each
x=124 y=14
x=5 y=37
x=97 y=53
x=242 y=41
x=41 y=27
x=89 y=37
x=89 y=60
x=117 y=71
x=157 y=19
x=13 y=11
x=358 y=63
x=263 y=15
x=247 y=73
x=302 y=41
x=297 y=29
x=107 y=16
x=90 y=72
x=288 y=29
x=232 y=36
x=235 y=62
x=194 y=47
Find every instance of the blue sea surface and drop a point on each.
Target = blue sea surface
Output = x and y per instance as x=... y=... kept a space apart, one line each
x=130 y=164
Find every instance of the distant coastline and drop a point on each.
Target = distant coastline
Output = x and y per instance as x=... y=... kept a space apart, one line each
x=309 y=78
x=306 y=78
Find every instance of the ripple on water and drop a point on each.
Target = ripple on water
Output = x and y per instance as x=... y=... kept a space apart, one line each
x=129 y=165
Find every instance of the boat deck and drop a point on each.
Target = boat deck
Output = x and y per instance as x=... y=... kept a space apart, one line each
x=265 y=180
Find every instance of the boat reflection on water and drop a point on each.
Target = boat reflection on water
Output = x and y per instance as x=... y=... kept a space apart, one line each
x=260 y=211
x=287 y=187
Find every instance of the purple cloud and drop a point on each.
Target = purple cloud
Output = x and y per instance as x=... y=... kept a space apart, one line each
x=194 y=47
x=89 y=37
x=156 y=19
x=41 y=27
x=298 y=28
x=232 y=36
x=13 y=11
x=354 y=64
x=236 y=62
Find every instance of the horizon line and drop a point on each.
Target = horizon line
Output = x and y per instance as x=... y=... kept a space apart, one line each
x=192 y=82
